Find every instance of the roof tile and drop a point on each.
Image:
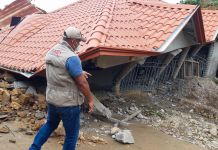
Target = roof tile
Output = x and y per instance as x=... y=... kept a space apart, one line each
x=210 y=18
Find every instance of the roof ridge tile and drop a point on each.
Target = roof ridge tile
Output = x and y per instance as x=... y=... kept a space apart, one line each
x=101 y=25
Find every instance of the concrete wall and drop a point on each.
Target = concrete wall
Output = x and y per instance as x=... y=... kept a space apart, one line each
x=212 y=65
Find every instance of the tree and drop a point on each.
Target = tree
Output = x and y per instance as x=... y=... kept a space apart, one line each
x=209 y=4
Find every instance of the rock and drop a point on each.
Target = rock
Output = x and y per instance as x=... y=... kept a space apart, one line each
x=15 y=105
x=41 y=99
x=39 y=115
x=97 y=140
x=215 y=144
x=12 y=140
x=140 y=116
x=24 y=98
x=31 y=90
x=32 y=121
x=4 y=129
x=15 y=99
x=6 y=97
x=35 y=107
x=81 y=137
x=3 y=116
x=38 y=125
x=17 y=92
x=22 y=114
x=125 y=137
x=4 y=84
x=29 y=132
x=114 y=130
x=213 y=131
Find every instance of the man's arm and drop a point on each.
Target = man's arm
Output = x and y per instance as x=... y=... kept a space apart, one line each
x=74 y=67
x=83 y=86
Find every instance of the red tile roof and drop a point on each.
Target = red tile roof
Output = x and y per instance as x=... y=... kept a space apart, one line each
x=210 y=18
x=18 y=8
x=112 y=27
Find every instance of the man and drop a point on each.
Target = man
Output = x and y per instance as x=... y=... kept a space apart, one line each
x=66 y=89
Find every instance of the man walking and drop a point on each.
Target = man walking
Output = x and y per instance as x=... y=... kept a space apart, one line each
x=66 y=89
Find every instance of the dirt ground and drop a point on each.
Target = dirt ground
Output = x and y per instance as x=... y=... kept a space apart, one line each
x=146 y=138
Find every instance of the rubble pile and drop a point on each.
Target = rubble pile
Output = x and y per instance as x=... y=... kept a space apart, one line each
x=166 y=115
x=21 y=105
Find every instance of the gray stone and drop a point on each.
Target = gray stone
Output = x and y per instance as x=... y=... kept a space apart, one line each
x=125 y=137
x=213 y=131
x=31 y=90
x=39 y=115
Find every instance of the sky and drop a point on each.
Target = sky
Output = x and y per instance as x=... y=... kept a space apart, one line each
x=50 y=5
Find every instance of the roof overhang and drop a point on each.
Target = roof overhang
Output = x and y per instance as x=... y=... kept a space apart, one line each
x=198 y=23
x=110 y=51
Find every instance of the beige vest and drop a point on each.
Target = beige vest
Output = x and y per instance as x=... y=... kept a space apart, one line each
x=61 y=88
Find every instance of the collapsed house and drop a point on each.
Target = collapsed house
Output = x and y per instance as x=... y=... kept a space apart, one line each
x=132 y=44
x=14 y=12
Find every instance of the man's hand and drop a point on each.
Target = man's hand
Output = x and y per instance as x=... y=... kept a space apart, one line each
x=91 y=106
x=86 y=74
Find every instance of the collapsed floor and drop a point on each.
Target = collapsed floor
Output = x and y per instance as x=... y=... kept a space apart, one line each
x=187 y=112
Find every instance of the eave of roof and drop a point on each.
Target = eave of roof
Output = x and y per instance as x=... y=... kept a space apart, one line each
x=113 y=51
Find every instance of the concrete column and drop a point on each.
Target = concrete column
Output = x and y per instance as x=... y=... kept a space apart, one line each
x=166 y=61
x=123 y=73
x=212 y=62
x=180 y=61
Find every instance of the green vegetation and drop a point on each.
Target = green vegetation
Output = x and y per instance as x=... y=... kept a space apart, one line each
x=208 y=4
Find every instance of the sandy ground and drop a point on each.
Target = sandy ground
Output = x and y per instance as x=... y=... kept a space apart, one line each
x=146 y=138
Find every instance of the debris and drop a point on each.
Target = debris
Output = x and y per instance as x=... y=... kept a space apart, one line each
x=213 y=131
x=4 y=129
x=5 y=97
x=12 y=140
x=124 y=136
x=39 y=115
x=101 y=108
x=97 y=140
x=22 y=114
x=24 y=98
x=114 y=130
x=4 y=84
x=38 y=125
x=131 y=116
x=3 y=116
x=15 y=105
x=81 y=137
x=29 y=132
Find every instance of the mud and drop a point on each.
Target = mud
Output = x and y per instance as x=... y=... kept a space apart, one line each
x=146 y=138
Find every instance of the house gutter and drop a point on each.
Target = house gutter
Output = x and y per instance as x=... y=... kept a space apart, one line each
x=177 y=31
x=28 y=75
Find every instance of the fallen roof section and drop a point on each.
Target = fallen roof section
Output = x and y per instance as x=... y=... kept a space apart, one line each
x=210 y=19
x=18 y=8
x=112 y=27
